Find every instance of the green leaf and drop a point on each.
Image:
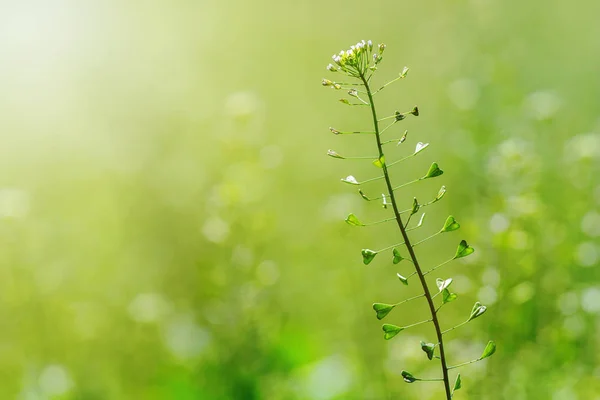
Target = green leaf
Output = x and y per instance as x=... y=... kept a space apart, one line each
x=447 y=297
x=457 y=383
x=489 y=350
x=390 y=331
x=443 y=284
x=397 y=256
x=420 y=147
x=434 y=171
x=463 y=250
x=421 y=220
x=350 y=179
x=403 y=138
x=402 y=279
x=404 y=72
x=368 y=255
x=428 y=348
x=352 y=220
x=382 y=309
x=363 y=195
x=334 y=154
x=415 y=206
x=415 y=111
x=478 y=310
x=440 y=194
x=408 y=377
x=380 y=162
x=450 y=225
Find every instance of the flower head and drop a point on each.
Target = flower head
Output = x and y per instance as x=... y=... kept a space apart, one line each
x=358 y=60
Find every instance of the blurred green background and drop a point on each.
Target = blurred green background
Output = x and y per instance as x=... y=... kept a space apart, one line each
x=171 y=228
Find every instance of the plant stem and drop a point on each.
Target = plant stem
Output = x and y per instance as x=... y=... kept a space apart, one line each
x=465 y=363
x=409 y=247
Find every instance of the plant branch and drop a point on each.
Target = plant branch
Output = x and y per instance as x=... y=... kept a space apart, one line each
x=409 y=247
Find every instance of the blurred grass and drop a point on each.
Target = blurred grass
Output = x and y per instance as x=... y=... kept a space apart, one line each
x=171 y=229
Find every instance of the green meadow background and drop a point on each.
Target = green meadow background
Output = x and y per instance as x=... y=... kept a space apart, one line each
x=171 y=227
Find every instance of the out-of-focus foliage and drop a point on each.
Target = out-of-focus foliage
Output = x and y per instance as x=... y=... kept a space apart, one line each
x=171 y=227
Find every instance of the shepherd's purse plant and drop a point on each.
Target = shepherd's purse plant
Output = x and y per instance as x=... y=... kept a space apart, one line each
x=357 y=66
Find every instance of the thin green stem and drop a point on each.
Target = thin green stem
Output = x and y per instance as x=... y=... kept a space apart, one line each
x=437 y=266
x=454 y=327
x=426 y=239
x=391 y=140
x=408 y=220
x=386 y=118
x=371 y=180
x=409 y=247
x=387 y=127
x=409 y=299
x=465 y=363
x=336 y=132
x=402 y=159
x=390 y=247
x=379 y=222
x=387 y=84
x=406 y=184
x=417 y=323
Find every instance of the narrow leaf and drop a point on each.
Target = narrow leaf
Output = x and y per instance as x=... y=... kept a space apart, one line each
x=402 y=279
x=408 y=377
x=440 y=194
x=434 y=171
x=463 y=249
x=363 y=195
x=403 y=138
x=397 y=256
x=447 y=296
x=450 y=225
x=420 y=147
x=382 y=309
x=404 y=72
x=389 y=331
x=478 y=310
x=380 y=162
x=352 y=220
x=415 y=206
x=368 y=255
x=334 y=154
x=384 y=201
x=428 y=348
x=457 y=383
x=421 y=220
x=489 y=350
x=443 y=283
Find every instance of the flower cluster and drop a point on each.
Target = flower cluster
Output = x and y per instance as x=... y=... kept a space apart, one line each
x=357 y=60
